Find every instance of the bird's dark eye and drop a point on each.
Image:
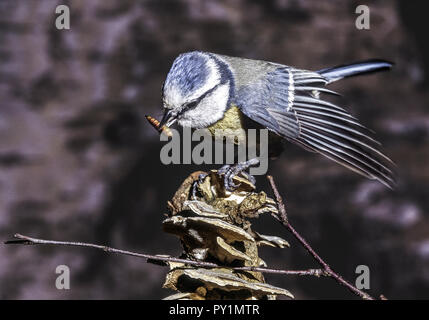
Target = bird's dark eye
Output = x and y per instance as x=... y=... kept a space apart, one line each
x=191 y=105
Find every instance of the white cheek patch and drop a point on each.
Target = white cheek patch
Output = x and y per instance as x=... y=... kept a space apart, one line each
x=210 y=110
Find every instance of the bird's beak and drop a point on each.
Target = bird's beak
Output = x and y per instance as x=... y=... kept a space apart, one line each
x=168 y=119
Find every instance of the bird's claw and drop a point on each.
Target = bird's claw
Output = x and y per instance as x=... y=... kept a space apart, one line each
x=231 y=171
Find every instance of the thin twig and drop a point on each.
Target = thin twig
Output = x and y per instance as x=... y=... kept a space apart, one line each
x=310 y=272
x=26 y=240
x=33 y=241
x=283 y=219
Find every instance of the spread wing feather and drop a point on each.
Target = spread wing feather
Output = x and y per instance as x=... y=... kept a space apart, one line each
x=287 y=102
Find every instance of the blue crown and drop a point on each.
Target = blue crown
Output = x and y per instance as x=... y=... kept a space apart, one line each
x=189 y=72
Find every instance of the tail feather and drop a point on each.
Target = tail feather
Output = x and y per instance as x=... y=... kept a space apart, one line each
x=353 y=69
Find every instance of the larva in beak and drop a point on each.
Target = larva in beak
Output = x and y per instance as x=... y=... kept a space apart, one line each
x=155 y=123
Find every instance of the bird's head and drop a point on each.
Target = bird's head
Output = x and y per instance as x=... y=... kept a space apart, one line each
x=196 y=91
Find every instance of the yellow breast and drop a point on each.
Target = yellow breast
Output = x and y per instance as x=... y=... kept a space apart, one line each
x=231 y=125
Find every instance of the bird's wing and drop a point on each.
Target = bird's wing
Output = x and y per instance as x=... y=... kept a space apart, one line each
x=266 y=101
x=287 y=102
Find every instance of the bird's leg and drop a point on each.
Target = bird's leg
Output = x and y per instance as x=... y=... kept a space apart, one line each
x=230 y=171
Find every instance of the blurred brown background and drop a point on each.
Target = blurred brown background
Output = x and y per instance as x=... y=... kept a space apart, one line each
x=79 y=162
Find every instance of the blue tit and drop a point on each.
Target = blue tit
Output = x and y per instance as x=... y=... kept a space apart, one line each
x=207 y=90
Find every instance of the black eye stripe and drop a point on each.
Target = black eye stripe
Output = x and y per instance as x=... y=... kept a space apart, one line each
x=192 y=104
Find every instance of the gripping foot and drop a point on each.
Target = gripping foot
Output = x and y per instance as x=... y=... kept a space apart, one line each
x=230 y=171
